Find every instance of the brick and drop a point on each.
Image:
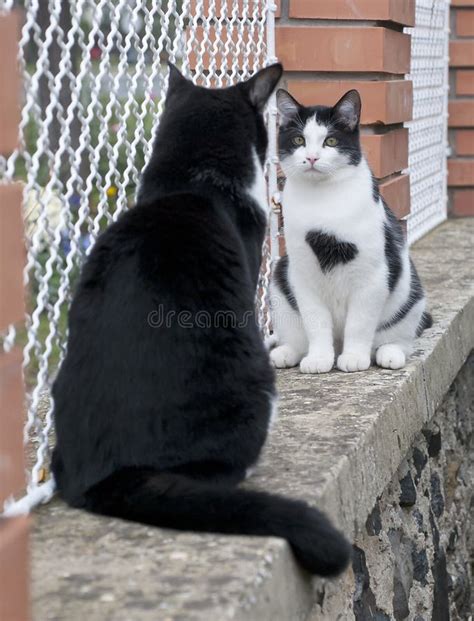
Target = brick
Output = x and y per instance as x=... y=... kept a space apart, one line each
x=10 y=80
x=12 y=255
x=464 y=142
x=386 y=153
x=386 y=10
x=12 y=475
x=307 y=48
x=465 y=23
x=14 y=571
x=396 y=192
x=464 y=82
x=382 y=102
x=461 y=54
x=462 y=203
x=460 y=172
x=456 y=3
x=461 y=113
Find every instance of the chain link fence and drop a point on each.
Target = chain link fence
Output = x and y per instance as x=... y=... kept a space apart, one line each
x=95 y=76
x=428 y=131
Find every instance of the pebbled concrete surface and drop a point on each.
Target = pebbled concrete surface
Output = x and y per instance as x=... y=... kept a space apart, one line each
x=338 y=442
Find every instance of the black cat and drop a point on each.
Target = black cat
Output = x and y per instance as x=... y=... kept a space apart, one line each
x=165 y=396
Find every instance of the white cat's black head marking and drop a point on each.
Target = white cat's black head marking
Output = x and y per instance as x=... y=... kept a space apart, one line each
x=318 y=141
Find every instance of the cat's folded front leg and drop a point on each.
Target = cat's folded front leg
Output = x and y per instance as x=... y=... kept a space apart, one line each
x=363 y=314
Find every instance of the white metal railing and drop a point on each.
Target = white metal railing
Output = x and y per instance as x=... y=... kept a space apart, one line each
x=428 y=131
x=95 y=76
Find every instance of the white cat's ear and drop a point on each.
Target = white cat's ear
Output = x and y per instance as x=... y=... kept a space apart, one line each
x=176 y=78
x=347 y=110
x=287 y=105
x=260 y=86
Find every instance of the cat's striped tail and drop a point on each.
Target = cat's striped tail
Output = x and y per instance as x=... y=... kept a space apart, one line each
x=174 y=501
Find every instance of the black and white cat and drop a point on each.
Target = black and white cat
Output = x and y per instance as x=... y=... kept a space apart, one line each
x=347 y=285
x=165 y=397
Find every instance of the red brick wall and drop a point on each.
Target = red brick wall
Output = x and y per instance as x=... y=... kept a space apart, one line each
x=13 y=531
x=461 y=109
x=329 y=47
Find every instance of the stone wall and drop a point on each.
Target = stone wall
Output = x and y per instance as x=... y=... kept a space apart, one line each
x=414 y=559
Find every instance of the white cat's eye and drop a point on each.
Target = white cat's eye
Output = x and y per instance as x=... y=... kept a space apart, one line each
x=331 y=142
x=299 y=140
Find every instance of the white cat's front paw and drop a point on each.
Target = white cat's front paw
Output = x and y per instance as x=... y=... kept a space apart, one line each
x=351 y=362
x=317 y=363
x=390 y=356
x=284 y=356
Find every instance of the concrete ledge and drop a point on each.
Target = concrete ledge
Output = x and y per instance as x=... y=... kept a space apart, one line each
x=338 y=442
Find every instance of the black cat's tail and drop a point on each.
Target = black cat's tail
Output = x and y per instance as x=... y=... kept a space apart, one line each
x=174 y=501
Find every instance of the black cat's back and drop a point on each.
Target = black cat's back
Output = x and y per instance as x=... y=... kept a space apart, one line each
x=165 y=305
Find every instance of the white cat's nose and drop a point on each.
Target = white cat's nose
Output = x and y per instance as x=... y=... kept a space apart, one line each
x=312 y=159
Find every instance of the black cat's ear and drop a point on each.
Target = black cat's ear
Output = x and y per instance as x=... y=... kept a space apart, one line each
x=347 y=110
x=287 y=105
x=176 y=79
x=260 y=86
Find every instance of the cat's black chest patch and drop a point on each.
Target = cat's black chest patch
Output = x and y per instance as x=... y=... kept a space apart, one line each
x=329 y=250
